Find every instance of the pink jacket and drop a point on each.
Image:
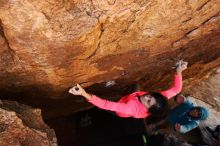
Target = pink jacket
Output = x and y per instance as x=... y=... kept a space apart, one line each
x=130 y=106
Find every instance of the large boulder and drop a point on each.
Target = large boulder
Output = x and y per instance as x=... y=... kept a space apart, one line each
x=48 y=46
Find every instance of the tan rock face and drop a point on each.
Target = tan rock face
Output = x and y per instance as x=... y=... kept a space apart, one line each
x=22 y=125
x=48 y=46
x=207 y=90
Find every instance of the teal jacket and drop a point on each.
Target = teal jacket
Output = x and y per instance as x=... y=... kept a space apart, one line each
x=180 y=115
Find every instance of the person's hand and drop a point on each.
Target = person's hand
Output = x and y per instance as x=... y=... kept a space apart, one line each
x=181 y=66
x=180 y=99
x=77 y=90
x=177 y=127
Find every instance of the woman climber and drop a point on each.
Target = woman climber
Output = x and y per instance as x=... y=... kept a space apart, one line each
x=138 y=104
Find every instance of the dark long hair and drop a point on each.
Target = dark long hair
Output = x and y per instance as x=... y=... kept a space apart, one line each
x=160 y=109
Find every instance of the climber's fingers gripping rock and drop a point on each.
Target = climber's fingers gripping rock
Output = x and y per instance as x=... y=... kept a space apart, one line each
x=181 y=66
x=77 y=90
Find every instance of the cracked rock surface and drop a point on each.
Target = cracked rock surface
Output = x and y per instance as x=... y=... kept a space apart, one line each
x=47 y=46
x=23 y=125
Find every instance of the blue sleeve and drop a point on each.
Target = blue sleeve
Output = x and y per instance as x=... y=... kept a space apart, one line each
x=188 y=103
x=188 y=127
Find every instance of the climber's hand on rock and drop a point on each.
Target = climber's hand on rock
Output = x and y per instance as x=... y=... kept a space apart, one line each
x=77 y=90
x=181 y=66
x=177 y=127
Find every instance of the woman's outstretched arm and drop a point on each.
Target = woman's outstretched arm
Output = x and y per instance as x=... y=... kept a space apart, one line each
x=125 y=108
x=177 y=83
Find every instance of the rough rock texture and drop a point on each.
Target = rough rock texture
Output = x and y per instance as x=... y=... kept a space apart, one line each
x=207 y=90
x=46 y=46
x=22 y=125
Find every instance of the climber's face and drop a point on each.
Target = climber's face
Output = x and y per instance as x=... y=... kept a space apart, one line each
x=147 y=100
x=195 y=113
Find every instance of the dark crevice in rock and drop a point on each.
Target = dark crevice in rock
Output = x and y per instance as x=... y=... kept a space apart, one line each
x=187 y=20
x=10 y=50
x=189 y=32
x=46 y=16
x=194 y=29
x=186 y=34
x=98 y=46
x=203 y=23
x=211 y=18
x=199 y=8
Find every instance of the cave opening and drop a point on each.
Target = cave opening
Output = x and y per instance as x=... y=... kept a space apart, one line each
x=95 y=127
